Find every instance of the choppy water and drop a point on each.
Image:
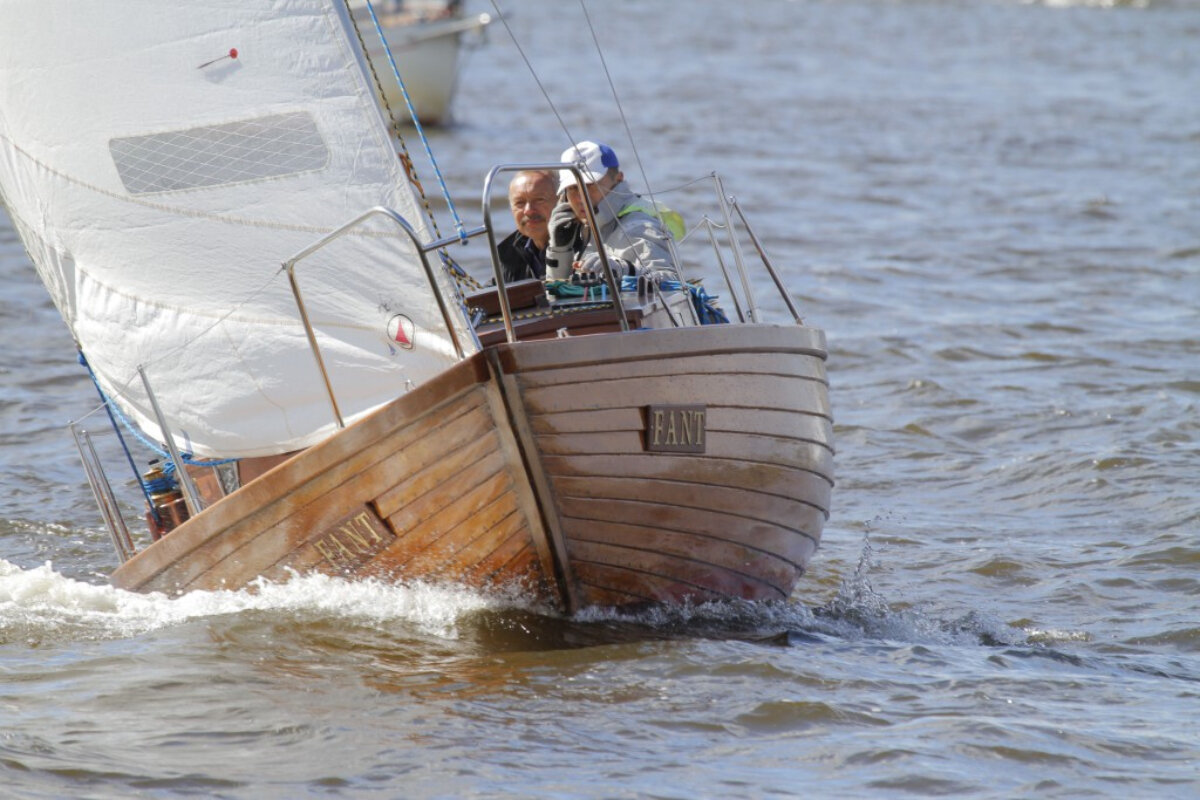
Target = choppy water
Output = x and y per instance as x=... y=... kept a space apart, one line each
x=991 y=208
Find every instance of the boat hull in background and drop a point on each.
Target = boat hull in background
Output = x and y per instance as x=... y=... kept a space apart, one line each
x=428 y=54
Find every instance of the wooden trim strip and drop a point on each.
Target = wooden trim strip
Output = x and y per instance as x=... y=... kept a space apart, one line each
x=555 y=543
x=756 y=364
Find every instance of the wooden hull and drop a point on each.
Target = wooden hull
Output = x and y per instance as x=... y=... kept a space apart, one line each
x=528 y=464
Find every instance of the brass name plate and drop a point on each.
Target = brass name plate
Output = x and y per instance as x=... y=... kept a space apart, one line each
x=353 y=540
x=676 y=429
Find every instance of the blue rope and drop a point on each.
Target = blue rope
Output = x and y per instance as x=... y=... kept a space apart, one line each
x=163 y=484
x=108 y=407
x=458 y=223
x=705 y=304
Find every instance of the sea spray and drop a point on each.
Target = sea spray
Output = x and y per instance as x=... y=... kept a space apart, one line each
x=40 y=604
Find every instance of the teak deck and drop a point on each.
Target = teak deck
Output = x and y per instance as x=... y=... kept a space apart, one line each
x=614 y=470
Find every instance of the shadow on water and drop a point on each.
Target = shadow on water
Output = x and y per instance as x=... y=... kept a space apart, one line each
x=525 y=630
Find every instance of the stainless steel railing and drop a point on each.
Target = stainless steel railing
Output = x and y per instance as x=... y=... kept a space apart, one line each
x=423 y=251
x=729 y=206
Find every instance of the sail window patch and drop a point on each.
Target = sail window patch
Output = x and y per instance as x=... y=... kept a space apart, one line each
x=219 y=155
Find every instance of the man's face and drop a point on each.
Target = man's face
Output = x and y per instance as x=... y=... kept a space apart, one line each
x=531 y=199
x=596 y=192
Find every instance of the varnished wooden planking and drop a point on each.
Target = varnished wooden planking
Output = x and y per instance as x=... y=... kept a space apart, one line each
x=595 y=588
x=795 y=365
x=524 y=568
x=745 y=449
x=475 y=514
x=449 y=480
x=427 y=519
x=509 y=404
x=260 y=504
x=689 y=528
x=787 y=393
x=661 y=344
x=475 y=541
x=461 y=500
x=720 y=418
x=484 y=558
x=766 y=479
x=309 y=508
x=639 y=545
x=513 y=434
x=481 y=550
x=681 y=576
x=468 y=444
x=786 y=452
x=740 y=520
x=792 y=513
x=397 y=469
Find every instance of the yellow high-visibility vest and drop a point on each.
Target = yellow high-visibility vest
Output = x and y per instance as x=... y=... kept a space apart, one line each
x=671 y=220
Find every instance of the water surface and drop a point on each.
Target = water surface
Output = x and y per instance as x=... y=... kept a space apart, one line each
x=991 y=209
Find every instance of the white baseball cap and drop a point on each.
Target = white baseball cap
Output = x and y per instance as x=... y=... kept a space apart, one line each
x=593 y=160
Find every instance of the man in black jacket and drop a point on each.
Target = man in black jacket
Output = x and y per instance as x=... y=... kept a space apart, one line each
x=531 y=197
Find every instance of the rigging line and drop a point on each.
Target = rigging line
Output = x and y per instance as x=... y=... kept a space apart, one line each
x=504 y=21
x=393 y=124
x=620 y=109
x=152 y=446
x=670 y=240
x=686 y=184
x=460 y=275
x=124 y=446
x=458 y=223
x=113 y=410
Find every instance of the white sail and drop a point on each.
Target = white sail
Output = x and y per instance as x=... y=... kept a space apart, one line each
x=162 y=159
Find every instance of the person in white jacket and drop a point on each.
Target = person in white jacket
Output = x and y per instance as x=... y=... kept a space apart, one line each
x=635 y=238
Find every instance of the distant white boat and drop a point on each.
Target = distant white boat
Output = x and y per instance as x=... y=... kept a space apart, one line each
x=427 y=39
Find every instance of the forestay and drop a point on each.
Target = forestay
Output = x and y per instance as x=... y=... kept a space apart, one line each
x=161 y=159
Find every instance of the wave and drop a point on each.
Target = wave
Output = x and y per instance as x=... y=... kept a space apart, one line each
x=39 y=605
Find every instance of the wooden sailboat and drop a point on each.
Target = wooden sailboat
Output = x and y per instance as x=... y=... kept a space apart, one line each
x=355 y=413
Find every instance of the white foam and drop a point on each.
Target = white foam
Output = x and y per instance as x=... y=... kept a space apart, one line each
x=41 y=599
